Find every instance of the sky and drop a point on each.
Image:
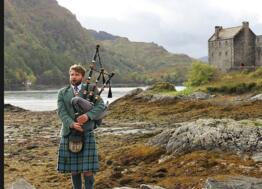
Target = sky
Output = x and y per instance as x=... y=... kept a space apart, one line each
x=180 y=26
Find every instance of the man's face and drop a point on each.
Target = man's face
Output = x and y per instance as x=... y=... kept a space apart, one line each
x=75 y=77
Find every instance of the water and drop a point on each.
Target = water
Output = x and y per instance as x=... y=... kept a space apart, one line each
x=45 y=100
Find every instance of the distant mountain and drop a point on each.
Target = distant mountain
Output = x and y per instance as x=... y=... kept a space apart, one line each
x=42 y=39
x=204 y=59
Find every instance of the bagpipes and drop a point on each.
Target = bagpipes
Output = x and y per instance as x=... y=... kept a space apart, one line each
x=80 y=106
x=102 y=74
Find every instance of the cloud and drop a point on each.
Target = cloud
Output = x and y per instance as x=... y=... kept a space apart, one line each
x=179 y=26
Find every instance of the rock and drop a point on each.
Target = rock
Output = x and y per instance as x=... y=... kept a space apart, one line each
x=21 y=183
x=200 y=96
x=162 y=139
x=163 y=98
x=134 y=92
x=10 y=107
x=257 y=157
x=257 y=97
x=124 y=171
x=156 y=98
x=239 y=182
x=163 y=159
x=143 y=96
x=144 y=186
x=208 y=134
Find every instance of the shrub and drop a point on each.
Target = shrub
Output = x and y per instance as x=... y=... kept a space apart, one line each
x=239 y=88
x=257 y=73
x=200 y=74
x=162 y=86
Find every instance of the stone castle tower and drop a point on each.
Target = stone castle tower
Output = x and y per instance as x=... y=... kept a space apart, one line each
x=235 y=48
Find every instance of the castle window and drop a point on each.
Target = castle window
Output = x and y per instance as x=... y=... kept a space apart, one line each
x=226 y=53
x=219 y=44
x=212 y=54
x=226 y=42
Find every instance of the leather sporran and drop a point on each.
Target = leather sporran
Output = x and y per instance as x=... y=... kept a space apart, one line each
x=75 y=142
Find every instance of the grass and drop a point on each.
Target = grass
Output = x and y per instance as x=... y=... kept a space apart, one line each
x=237 y=82
x=234 y=82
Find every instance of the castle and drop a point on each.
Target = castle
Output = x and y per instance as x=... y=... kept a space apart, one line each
x=235 y=48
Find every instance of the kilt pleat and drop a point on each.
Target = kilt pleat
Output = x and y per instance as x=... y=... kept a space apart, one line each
x=86 y=160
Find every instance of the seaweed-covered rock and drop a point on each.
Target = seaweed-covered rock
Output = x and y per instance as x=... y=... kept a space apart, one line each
x=10 y=107
x=134 y=92
x=162 y=86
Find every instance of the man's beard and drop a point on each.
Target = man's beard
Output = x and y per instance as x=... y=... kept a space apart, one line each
x=75 y=82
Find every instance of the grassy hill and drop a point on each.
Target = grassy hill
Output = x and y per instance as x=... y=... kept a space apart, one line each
x=42 y=39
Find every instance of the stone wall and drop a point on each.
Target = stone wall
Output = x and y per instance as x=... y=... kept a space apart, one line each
x=221 y=53
x=259 y=51
x=244 y=48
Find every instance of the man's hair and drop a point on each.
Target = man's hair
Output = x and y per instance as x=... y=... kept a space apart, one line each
x=78 y=68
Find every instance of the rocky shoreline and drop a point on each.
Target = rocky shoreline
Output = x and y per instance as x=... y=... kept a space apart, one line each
x=148 y=142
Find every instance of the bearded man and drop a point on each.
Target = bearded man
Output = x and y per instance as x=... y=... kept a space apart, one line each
x=84 y=162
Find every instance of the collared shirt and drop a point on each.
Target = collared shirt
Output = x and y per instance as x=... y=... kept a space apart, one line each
x=78 y=88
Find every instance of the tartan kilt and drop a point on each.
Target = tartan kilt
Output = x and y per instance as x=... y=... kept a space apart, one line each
x=86 y=160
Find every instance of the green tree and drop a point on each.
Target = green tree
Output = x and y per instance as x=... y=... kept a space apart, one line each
x=200 y=73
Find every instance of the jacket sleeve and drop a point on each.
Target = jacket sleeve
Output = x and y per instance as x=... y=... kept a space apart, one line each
x=62 y=112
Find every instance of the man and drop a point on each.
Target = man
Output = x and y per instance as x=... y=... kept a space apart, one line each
x=86 y=161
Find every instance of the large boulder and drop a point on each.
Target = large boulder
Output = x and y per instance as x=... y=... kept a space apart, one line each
x=238 y=182
x=12 y=108
x=209 y=134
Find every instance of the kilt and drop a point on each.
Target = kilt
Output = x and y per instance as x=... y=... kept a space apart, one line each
x=86 y=160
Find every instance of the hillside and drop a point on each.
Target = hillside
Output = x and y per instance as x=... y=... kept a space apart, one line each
x=42 y=39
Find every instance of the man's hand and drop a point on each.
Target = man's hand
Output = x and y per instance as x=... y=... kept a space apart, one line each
x=82 y=119
x=77 y=127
